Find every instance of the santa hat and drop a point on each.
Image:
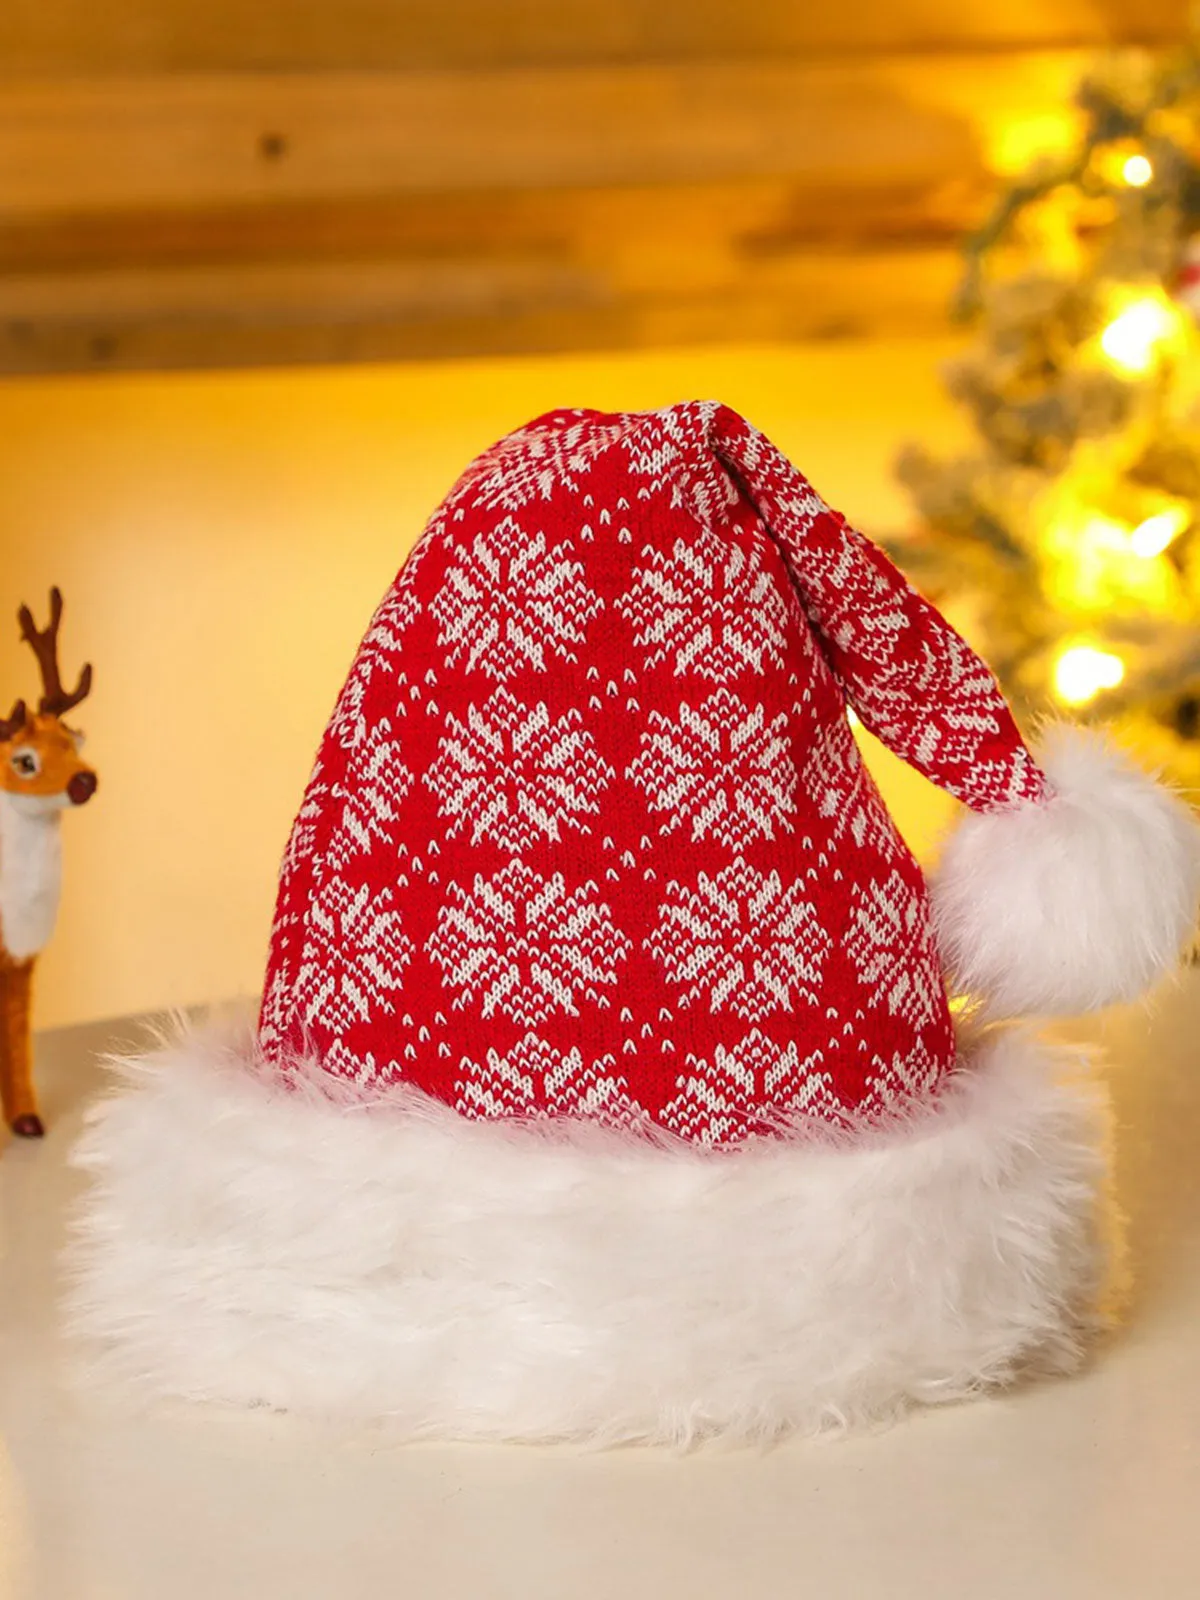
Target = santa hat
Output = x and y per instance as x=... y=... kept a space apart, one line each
x=606 y=1083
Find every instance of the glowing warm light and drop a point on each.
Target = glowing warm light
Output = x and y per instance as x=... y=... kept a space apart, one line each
x=1131 y=339
x=1137 y=172
x=1015 y=146
x=1096 y=564
x=1102 y=533
x=1151 y=538
x=1081 y=672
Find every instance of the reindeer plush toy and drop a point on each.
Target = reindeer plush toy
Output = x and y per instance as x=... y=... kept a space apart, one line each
x=41 y=776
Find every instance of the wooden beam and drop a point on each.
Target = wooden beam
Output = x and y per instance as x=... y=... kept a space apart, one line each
x=752 y=219
x=222 y=219
x=116 y=143
x=347 y=312
x=60 y=37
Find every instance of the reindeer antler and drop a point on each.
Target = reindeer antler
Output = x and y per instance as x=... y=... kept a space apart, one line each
x=11 y=725
x=55 y=699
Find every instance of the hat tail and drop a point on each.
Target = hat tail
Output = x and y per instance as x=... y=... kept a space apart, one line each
x=1076 y=881
x=914 y=682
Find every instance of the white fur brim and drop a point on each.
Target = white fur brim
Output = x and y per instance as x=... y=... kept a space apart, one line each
x=242 y=1242
x=1079 y=902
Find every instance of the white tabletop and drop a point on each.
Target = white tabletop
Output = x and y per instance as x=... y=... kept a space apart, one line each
x=1075 y=1490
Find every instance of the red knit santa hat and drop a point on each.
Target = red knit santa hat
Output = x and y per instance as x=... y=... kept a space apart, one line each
x=593 y=907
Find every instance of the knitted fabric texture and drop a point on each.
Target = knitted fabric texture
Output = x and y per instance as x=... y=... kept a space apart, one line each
x=589 y=833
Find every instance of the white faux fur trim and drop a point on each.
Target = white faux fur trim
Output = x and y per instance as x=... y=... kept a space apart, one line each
x=249 y=1244
x=1084 y=900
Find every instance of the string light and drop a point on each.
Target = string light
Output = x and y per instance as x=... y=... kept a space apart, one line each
x=1081 y=672
x=1123 y=162
x=1151 y=538
x=1131 y=339
x=1137 y=172
x=1103 y=533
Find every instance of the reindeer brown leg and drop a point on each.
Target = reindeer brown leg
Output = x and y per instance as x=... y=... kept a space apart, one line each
x=16 y=1050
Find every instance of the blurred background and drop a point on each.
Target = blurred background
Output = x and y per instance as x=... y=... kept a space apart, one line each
x=271 y=275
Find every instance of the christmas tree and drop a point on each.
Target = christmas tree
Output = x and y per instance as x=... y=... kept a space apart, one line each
x=1066 y=544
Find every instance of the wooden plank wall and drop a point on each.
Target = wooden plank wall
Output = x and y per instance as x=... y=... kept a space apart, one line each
x=185 y=184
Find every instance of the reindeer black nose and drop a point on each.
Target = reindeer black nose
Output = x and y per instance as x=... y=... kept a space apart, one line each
x=81 y=788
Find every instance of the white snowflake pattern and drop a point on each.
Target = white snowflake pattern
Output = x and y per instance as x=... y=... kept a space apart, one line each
x=534 y=1080
x=363 y=1070
x=897 y=673
x=745 y=1090
x=370 y=797
x=910 y=677
x=835 y=778
x=890 y=944
x=279 y=1001
x=893 y=1085
x=722 y=770
x=741 y=940
x=669 y=450
x=710 y=607
x=514 y=776
x=379 y=652
x=918 y=686
x=303 y=837
x=354 y=957
x=536 y=462
x=833 y=767
x=523 y=945
x=508 y=602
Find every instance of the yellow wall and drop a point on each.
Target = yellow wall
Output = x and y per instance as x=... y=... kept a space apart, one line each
x=222 y=540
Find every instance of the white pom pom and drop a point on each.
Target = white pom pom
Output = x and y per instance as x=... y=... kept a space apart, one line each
x=1058 y=908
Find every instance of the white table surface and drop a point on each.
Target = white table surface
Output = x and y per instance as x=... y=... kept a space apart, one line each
x=1078 y=1490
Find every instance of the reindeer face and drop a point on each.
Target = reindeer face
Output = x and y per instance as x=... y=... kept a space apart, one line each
x=41 y=767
